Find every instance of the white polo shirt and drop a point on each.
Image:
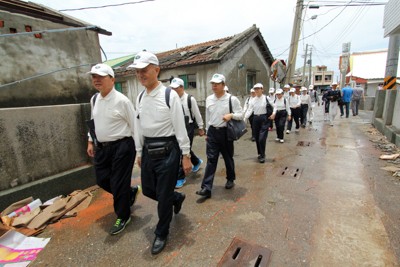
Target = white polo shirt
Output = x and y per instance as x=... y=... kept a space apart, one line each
x=114 y=117
x=156 y=119
x=258 y=105
x=195 y=110
x=216 y=108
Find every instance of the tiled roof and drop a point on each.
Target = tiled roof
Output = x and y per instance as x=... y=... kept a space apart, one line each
x=42 y=12
x=207 y=52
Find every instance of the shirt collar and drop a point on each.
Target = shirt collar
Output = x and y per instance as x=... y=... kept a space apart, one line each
x=109 y=95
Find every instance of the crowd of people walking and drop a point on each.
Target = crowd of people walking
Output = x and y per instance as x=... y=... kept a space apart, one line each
x=159 y=133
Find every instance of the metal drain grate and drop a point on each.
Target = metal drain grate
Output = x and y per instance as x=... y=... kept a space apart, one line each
x=242 y=253
x=304 y=143
x=292 y=172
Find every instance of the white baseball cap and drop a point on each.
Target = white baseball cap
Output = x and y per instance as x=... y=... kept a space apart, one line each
x=286 y=86
x=303 y=88
x=258 y=85
x=279 y=91
x=217 y=78
x=311 y=87
x=226 y=89
x=252 y=90
x=292 y=90
x=176 y=82
x=271 y=90
x=143 y=59
x=334 y=83
x=102 y=70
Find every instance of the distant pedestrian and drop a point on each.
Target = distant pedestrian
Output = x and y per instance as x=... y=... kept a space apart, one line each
x=286 y=89
x=218 y=113
x=271 y=99
x=358 y=94
x=162 y=142
x=258 y=107
x=347 y=93
x=314 y=100
x=295 y=107
x=305 y=106
x=246 y=106
x=281 y=113
x=193 y=121
x=326 y=102
x=333 y=96
x=113 y=147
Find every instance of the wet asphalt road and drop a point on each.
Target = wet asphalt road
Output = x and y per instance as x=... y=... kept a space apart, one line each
x=320 y=199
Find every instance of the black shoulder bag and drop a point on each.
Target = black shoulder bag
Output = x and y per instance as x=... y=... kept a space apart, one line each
x=235 y=128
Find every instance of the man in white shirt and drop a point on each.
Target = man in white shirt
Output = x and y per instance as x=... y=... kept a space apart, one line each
x=113 y=147
x=258 y=107
x=217 y=115
x=161 y=141
x=281 y=113
x=314 y=99
x=193 y=120
x=294 y=103
x=245 y=107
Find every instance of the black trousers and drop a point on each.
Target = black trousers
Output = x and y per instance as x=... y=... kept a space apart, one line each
x=113 y=166
x=296 y=112
x=159 y=179
x=193 y=158
x=217 y=143
x=251 y=119
x=280 y=120
x=304 y=111
x=260 y=129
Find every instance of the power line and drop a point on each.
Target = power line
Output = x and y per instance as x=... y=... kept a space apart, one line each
x=95 y=7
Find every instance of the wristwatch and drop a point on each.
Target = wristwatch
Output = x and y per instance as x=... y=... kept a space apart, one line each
x=187 y=155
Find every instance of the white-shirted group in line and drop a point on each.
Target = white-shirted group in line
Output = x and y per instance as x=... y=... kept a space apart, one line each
x=159 y=134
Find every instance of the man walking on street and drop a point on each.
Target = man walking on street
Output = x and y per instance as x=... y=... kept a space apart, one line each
x=358 y=93
x=314 y=99
x=217 y=115
x=194 y=120
x=161 y=140
x=258 y=107
x=333 y=96
x=347 y=93
x=111 y=143
x=246 y=106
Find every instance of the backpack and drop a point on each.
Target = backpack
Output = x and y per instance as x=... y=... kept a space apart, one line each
x=189 y=103
x=270 y=109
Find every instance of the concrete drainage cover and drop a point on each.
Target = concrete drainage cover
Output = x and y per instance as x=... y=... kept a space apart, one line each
x=242 y=253
x=291 y=172
x=304 y=143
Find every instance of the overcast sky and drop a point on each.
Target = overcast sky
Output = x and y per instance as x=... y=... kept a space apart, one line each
x=162 y=25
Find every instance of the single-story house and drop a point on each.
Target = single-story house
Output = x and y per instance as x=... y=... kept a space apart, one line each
x=244 y=59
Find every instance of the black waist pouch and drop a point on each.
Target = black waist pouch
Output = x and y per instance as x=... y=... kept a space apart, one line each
x=159 y=150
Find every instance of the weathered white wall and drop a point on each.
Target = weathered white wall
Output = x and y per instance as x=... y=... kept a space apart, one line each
x=26 y=56
x=37 y=142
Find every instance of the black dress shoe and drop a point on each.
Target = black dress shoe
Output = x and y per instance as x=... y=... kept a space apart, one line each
x=178 y=203
x=229 y=184
x=261 y=160
x=158 y=245
x=204 y=192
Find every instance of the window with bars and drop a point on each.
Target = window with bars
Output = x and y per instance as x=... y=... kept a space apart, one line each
x=189 y=80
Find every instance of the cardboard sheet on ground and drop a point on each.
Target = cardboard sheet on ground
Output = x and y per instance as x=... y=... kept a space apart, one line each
x=389 y=157
x=18 y=250
x=391 y=168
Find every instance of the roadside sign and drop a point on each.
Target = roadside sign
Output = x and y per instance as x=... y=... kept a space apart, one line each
x=389 y=82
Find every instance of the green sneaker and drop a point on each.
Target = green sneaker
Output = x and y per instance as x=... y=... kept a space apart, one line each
x=119 y=226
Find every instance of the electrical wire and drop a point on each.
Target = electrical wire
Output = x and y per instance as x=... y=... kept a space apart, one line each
x=95 y=7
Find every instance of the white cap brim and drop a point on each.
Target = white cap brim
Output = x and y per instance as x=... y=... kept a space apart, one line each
x=138 y=65
x=216 y=81
x=101 y=73
x=174 y=85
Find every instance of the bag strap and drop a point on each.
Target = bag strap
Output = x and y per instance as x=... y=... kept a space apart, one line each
x=167 y=96
x=189 y=102
x=94 y=99
x=230 y=104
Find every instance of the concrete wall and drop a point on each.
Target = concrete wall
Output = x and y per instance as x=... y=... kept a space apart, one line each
x=386 y=116
x=38 y=142
x=25 y=56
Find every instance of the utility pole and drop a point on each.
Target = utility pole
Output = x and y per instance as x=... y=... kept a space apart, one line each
x=393 y=56
x=345 y=63
x=304 y=67
x=309 y=71
x=294 y=42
